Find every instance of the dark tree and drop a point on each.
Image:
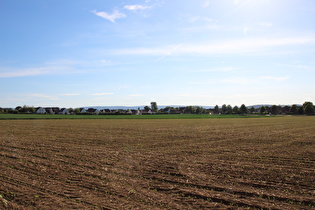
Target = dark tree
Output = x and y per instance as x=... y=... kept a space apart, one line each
x=301 y=110
x=252 y=110
x=146 y=108
x=243 y=109
x=267 y=109
x=285 y=110
x=236 y=110
x=18 y=108
x=229 y=109
x=307 y=103
x=224 y=109
x=309 y=109
x=200 y=110
x=216 y=109
x=294 y=109
x=274 y=109
x=154 y=106
x=262 y=110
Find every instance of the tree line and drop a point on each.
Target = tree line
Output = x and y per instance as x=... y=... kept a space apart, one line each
x=306 y=109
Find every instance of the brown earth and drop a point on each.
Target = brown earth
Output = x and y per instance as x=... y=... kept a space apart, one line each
x=263 y=163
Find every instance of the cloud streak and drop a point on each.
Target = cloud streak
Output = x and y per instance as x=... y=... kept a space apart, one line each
x=8 y=73
x=110 y=16
x=101 y=94
x=275 y=78
x=136 y=7
x=221 y=47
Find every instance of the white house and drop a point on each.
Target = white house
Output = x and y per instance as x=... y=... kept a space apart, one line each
x=40 y=110
x=82 y=110
x=64 y=111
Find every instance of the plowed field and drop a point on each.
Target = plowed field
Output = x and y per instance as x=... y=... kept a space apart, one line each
x=158 y=164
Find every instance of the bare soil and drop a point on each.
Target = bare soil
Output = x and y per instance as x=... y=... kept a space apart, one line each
x=265 y=163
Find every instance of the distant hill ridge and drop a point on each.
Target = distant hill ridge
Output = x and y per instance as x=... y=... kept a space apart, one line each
x=163 y=106
x=141 y=107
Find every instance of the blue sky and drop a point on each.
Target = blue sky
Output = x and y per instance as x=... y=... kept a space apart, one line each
x=185 y=52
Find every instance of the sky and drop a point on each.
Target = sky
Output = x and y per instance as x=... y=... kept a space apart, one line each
x=79 y=53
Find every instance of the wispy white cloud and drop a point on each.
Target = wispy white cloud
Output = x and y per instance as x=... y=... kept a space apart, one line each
x=222 y=47
x=71 y=94
x=240 y=4
x=136 y=95
x=245 y=31
x=219 y=69
x=170 y=51
x=305 y=67
x=43 y=96
x=9 y=72
x=249 y=95
x=110 y=16
x=238 y=80
x=101 y=94
x=275 y=78
x=257 y=26
x=241 y=80
x=199 y=18
x=265 y=24
x=206 y=4
x=136 y=7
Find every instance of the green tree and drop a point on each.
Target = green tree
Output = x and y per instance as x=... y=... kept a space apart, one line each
x=243 y=109
x=294 y=109
x=18 y=108
x=26 y=109
x=262 y=110
x=252 y=110
x=229 y=109
x=274 y=109
x=200 y=110
x=301 y=110
x=216 y=109
x=77 y=111
x=307 y=103
x=154 y=106
x=236 y=110
x=190 y=109
x=146 y=108
x=32 y=110
x=309 y=109
x=224 y=109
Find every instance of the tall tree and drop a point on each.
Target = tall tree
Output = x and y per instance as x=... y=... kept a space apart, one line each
x=236 y=110
x=146 y=108
x=223 y=109
x=216 y=109
x=190 y=109
x=154 y=106
x=294 y=109
x=200 y=110
x=301 y=110
x=252 y=110
x=307 y=103
x=77 y=111
x=243 y=109
x=229 y=109
x=262 y=110
x=285 y=109
x=274 y=109
x=309 y=109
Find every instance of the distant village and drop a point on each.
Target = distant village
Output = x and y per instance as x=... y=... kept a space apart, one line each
x=306 y=109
